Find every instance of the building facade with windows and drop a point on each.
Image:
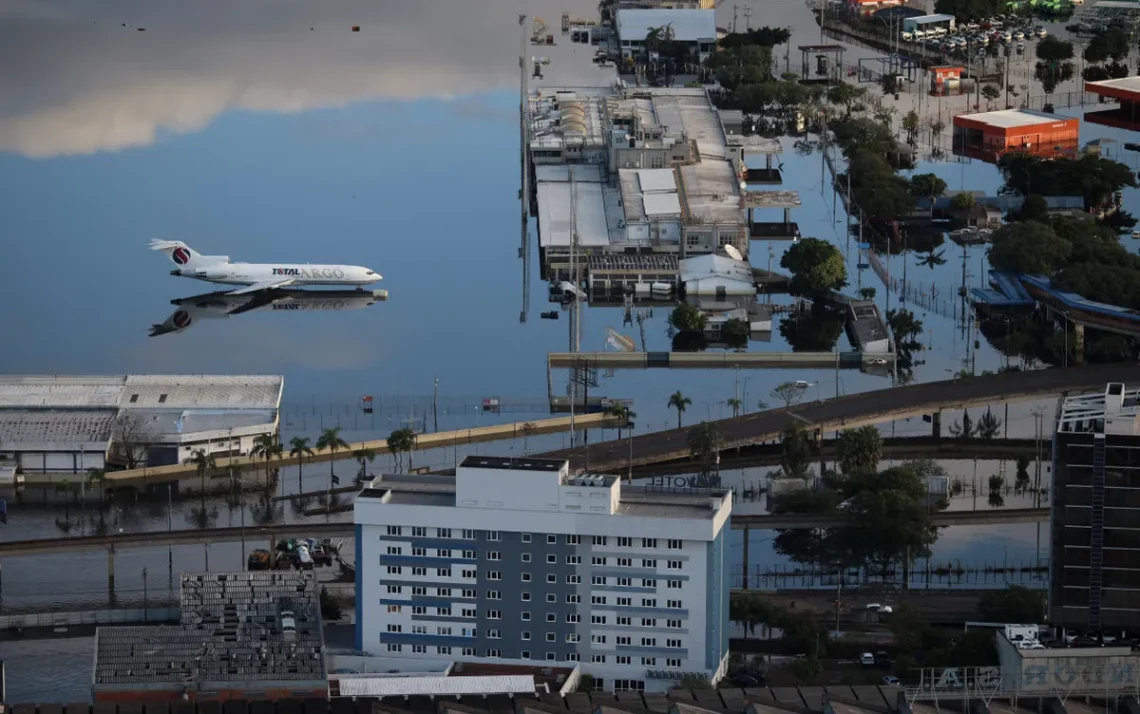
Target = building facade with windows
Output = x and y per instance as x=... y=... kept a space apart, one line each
x=516 y=560
x=1095 y=565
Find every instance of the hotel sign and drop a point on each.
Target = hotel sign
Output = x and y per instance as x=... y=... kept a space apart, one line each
x=1046 y=674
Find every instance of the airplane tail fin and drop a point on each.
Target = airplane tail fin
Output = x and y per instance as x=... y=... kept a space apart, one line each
x=183 y=255
x=177 y=322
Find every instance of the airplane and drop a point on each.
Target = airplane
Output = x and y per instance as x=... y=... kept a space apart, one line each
x=216 y=305
x=258 y=276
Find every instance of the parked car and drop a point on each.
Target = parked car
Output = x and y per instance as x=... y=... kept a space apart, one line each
x=744 y=681
x=890 y=681
x=867 y=659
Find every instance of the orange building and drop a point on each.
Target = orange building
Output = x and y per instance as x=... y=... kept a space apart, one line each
x=988 y=135
x=945 y=77
x=1124 y=91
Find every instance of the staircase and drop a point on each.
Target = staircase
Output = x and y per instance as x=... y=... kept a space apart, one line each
x=1096 y=539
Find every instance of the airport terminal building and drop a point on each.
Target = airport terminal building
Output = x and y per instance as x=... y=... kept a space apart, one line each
x=67 y=425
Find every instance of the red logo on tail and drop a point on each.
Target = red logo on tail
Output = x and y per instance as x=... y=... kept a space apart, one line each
x=181 y=256
x=181 y=317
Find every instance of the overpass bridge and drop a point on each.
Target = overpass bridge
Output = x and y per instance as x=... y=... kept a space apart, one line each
x=896 y=449
x=853 y=410
x=441 y=439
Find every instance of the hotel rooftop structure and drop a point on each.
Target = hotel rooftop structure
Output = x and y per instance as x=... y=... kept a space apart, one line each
x=636 y=172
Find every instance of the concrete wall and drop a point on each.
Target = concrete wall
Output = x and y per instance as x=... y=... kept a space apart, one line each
x=1103 y=669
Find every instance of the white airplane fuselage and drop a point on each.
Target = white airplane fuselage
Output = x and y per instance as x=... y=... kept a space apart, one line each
x=254 y=273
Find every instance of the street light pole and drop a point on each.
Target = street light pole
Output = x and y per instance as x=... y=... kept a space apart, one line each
x=144 y=596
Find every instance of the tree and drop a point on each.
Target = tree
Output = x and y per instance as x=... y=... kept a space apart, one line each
x=799 y=449
x=933 y=259
x=266 y=446
x=965 y=429
x=679 y=402
x=1014 y=604
x=705 y=444
x=910 y=124
x=989 y=426
x=1035 y=208
x=846 y=95
x=867 y=293
x=402 y=441
x=962 y=201
x=817 y=267
x=97 y=478
x=330 y=441
x=927 y=186
x=1094 y=178
x=1031 y=248
x=299 y=449
x=686 y=318
x=802 y=633
x=530 y=428
x=788 y=392
x=860 y=450
x=734 y=404
x=203 y=462
x=363 y=457
x=624 y=413
x=131 y=439
x=889 y=526
x=991 y=93
x=735 y=332
x=1051 y=49
x=806 y=669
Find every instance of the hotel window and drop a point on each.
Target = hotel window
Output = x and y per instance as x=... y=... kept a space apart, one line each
x=573 y=618
x=494 y=635
x=525 y=654
x=419 y=591
x=525 y=616
x=572 y=657
x=493 y=535
x=445 y=631
x=623 y=640
x=573 y=579
x=468 y=593
x=526 y=577
x=624 y=582
x=649 y=661
x=494 y=614
x=469 y=535
x=624 y=542
x=419 y=532
x=526 y=557
x=599 y=540
x=673 y=643
x=674 y=544
x=624 y=562
x=551 y=617
x=395 y=570
x=394 y=530
x=494 y=595
x=598 y=560
x=673 y=663
x=468 y=612
x=395 y=609
x=525 y=537
x=597 y=619
x=648 y=542
x=443 y=532
x=573 y=599
x=419 y=610
x=395 y=628
x=624 y=602
x=394 y=589
x=649 y=563
x=673 y=604
x=675 y=624
x=551 y=559
x=395 y=648
x=551 y=579
x=419 y=571
x=550 y=637
x=648 y=641
x=551 y=539
x=443 y=592
x=494 y=555
x=469 y=573
x=395 y=550
x=551 y=657
x=525 y=636
x=623 y=621
x=598 y=580
x=598 y=639
x=526 y=597
x=573 y=540
x=419 y=649
x=596 y=659
x=468 y=651
x=675 y=584
x=597 y=599
x=674 y=565
x=573 y=560
x=443 y=611
x=469 y=555
x=648 y=622
x=443 y=553
x=494 y=653
x=494 y=575
x=622 y=659
x=442 y=649
x=648 y=602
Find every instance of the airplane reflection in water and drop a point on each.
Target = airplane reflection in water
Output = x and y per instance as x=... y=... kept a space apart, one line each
x=216 y=305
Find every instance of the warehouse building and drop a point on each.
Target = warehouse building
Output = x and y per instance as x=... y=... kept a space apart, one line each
x=988 y=135
x=67 y=425
x=516 y=560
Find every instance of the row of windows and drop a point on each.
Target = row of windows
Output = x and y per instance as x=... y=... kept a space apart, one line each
x=497 y=575
x=1111 y=577
x=438 y=611
x=1113 y=517
x=439 y=572
x=627 y=621
x=1112 y=599
x=1112 y=538
x=467 y=534
x=489 y=652
x=1112 y=558
x=1114 y=497
x=645 y=661
x=626 y=640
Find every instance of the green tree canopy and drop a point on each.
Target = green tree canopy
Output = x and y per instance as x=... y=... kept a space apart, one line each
x=927 y=186
x=1092 y=177
x=817 y=267
x=1051 y=49
x=687 y=318
x=1035 y=208
x=860 y=450
x=1029 y=248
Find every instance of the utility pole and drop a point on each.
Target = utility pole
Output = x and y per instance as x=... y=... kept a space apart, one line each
x=524 y=133
x=1038 y=424
x=735 y=9
x=435 y=404
x=748 y=19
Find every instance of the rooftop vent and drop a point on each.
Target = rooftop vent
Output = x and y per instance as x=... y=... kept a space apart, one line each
x=1113 y=398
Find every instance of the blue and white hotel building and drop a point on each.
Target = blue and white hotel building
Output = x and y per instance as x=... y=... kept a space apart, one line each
x=517 y=561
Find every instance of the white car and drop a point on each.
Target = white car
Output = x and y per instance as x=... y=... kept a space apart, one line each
x=867 y=659
x=801 y=384
x=288 y=624
x=879 y=608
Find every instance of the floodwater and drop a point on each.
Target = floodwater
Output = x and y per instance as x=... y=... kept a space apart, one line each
x=284 y=135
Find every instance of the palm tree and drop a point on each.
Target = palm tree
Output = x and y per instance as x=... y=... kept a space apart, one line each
x=932 y=259
x=705 y=442
x=400 y=441
x=679 y=402
x=529 y=428
x=97 y=478
x=736 y=404
x=330 y=441
x=266 y=445
x=300 y=449
x=622 y=412
x=363 y=457
x=202 y=462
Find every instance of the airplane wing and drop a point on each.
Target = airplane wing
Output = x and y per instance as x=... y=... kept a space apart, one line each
x=259 y=300
x=267 y=285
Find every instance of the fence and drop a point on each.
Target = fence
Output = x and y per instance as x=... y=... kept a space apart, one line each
x=928 y=575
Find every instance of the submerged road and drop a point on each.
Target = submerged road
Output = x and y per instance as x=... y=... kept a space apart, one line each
x=853 y=410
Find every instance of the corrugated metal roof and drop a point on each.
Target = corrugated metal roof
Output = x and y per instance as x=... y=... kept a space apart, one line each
x=164 y=422
x=687 y=25
x=71 y=427
x=202 y=391
x=444 y=686
x=51 y=391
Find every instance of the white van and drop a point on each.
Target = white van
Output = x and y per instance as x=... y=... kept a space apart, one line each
x=304 y=559
x=907 y=37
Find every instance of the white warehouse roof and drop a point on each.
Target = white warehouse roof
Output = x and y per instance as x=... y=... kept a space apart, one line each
x=688 y=25
x=441 y=686
x=197 y=391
